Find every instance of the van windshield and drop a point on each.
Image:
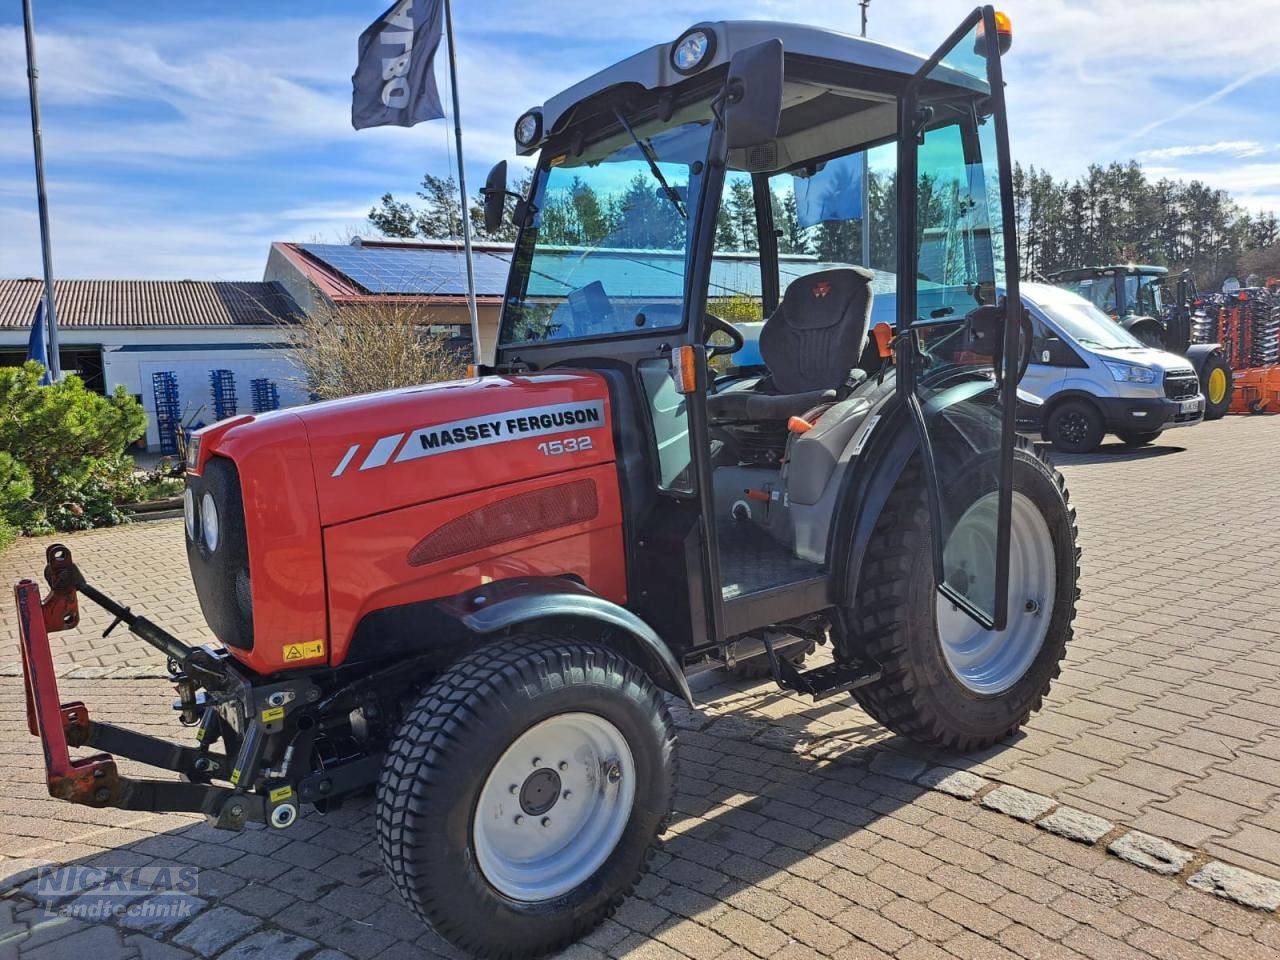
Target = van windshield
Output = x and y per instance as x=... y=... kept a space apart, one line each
x=1084 y=323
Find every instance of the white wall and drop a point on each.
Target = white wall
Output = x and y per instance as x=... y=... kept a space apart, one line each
x=131 y=356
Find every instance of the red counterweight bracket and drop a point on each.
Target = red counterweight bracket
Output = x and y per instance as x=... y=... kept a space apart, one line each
x=61 y=608
x=89 y=780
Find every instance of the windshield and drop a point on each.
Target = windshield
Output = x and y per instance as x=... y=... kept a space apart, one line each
x=1081 y=321
x=605 y=251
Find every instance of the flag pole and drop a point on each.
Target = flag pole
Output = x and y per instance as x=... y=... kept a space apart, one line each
x=462 y=188
x=42 y=201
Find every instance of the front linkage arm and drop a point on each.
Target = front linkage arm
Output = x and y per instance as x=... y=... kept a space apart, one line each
x=94 y=780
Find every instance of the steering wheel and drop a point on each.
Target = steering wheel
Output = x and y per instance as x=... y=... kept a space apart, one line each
x=713 y=324
x=984 y=330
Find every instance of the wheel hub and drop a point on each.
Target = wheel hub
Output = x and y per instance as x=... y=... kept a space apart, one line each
x=540 y=792
x=989 y=662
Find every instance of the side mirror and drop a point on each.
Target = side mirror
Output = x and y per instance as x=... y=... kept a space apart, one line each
x=753 y=107
x=495 y=196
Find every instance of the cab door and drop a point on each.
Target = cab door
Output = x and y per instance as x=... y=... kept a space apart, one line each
x=958 y=272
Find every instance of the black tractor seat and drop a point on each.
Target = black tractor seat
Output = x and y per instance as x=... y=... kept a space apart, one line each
x=811 y=344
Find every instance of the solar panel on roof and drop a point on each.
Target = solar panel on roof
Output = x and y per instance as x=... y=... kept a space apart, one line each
x=413 y=270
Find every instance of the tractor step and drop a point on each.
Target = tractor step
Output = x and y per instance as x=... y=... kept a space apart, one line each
x=825 y=681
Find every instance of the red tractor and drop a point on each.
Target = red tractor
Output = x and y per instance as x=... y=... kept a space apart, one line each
x=477 y=598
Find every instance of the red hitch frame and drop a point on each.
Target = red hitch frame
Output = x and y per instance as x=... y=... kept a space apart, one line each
x=91 y=780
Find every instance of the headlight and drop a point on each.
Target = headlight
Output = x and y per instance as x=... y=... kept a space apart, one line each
x=209 y=522
x=529 y=128
x=193 y=451
x=1129 y=373
x=692 y=50
x=189 y=512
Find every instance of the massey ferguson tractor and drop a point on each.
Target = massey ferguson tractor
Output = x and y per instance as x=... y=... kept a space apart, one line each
x=478 y=598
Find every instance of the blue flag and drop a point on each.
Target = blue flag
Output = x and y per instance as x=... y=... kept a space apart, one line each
x=833 y=193
x=38 y=345
x=395 y=81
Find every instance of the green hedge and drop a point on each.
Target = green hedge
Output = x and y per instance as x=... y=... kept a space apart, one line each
x=64 y=465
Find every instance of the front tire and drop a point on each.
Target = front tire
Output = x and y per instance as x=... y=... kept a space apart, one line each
x=1075 y=426
x=1138 y=439
x=942 y=692
x=508 y=855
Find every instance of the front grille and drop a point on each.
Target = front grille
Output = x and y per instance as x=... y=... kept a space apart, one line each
x=1181 y=386
x=221 y=576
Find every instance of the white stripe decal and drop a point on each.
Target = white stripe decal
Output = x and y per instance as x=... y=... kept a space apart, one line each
x=351 y=452
x=381 y=452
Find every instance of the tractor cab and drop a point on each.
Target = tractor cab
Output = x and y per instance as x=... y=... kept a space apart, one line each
x=773 y=180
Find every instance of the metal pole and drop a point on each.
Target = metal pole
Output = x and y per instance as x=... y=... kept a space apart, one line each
x=462 y=189
x=866 y=173
x=42 y=201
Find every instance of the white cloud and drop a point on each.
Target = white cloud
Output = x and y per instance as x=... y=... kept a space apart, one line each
x=1232 y=148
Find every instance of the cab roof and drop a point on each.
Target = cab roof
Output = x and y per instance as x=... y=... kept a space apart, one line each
x=1117 y=269
x=651 y=69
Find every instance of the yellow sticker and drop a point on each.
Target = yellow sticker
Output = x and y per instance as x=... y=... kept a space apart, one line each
x=280 y=793
x=312 y=650
x=272 y=714
x=556 y=161
x=200 y=734
x=235 y=777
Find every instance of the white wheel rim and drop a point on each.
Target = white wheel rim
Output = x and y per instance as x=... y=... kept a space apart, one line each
x=989 y=662
x=554 y=807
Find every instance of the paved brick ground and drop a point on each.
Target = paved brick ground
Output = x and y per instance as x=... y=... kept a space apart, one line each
x=795 y=835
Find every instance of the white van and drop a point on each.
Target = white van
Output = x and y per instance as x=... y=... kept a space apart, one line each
x=1096 y=378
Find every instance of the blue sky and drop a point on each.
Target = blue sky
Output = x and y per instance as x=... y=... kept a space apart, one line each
x=181 y=143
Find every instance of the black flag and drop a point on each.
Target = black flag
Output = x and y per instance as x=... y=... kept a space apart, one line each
x=394 y=82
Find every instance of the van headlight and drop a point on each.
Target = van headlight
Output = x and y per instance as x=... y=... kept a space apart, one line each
x=1130 y=373
x=209 y=522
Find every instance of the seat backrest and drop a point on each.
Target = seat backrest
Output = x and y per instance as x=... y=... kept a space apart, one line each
x=816 y=335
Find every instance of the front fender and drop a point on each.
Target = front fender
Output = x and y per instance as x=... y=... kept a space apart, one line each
x=506 y=604
x=1200 y=353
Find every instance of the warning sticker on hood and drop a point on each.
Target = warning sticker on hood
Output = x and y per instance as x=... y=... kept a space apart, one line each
x=478 y=432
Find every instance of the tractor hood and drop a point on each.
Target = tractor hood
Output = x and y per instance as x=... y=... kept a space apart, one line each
x=378 y=452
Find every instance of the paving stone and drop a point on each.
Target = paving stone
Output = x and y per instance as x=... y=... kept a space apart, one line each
x=269 y=945
x=1242 y=886
x=1018 y=803
x=1150 y=852
x=890 y=763
x=958 y=783
x=159 y=914
x=1076 y=825
x=214 y=929
x=149 y=949
x=99 y=942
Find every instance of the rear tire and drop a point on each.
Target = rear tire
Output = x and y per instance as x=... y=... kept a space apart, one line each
x=599 y=789
x=1138 y=439
x=896 y=619
x=1075 y=426
x=1217 y=384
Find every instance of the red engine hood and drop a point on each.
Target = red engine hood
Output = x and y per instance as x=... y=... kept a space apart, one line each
x=387 y=450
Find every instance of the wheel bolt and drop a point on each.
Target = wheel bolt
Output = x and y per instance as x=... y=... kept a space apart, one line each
x=546 y=821
x=567 y=794
x=515 y=788
x=1031 y=606
x=614 y=771
x=564 y=765
x=537 y=761
x=519 y=819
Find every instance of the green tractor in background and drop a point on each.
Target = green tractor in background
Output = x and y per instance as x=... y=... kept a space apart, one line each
x=1155 y=307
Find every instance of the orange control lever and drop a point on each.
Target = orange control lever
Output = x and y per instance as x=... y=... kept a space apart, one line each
x=884 y=340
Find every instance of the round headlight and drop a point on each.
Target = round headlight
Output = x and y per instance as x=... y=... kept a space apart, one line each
x=209 y=522
x=692 y=50
x=189 y=512
x=529 y=128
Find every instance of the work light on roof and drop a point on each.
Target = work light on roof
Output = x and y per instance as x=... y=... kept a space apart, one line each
x=693 y=50
x=529 y=128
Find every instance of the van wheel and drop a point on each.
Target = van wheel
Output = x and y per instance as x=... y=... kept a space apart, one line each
x=946 y=681
x=522 y=796
x=1138 y=439
x=1075 y=426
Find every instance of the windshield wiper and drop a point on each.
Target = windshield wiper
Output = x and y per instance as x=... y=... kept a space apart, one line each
x=653 y=164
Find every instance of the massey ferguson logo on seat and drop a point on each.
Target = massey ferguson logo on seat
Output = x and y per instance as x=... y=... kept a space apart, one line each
x=821 y=289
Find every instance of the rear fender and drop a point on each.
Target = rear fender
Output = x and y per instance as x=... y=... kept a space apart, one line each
x=507 y=604
x=1201 y=353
